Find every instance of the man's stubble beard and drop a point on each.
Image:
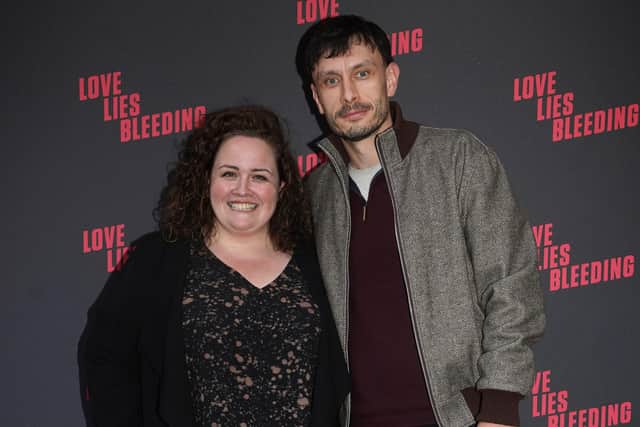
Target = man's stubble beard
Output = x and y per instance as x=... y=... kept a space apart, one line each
x=357 y=133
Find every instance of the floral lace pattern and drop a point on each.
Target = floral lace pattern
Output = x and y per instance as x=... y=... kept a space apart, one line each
x=250 y=352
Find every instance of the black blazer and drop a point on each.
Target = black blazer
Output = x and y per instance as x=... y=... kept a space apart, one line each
x=131 y=352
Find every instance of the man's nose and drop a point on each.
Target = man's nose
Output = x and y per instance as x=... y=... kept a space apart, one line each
x=349 y=91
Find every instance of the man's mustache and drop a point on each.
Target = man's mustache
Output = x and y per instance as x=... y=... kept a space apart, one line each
x=353 y=107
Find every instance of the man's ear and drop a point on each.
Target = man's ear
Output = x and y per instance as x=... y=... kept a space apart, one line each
x=314 y=91
x=392 y=74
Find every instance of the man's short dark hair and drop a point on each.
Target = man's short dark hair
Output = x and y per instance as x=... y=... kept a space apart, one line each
x=333 y=37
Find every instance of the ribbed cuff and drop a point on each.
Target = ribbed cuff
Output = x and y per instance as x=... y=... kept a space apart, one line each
x=499 y=406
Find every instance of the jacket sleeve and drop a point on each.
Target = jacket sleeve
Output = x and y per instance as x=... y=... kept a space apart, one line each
x=107 y=354
x=503 y=255
x=331 y=381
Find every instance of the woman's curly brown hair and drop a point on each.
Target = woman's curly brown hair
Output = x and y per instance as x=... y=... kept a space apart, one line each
x=184 y=209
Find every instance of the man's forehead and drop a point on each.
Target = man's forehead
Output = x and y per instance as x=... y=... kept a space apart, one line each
x=357 y=51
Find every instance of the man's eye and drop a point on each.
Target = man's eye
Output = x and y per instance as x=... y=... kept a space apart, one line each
x=362 y=74
x=331 y=81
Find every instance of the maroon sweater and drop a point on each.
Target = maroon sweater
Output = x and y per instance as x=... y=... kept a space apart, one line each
x=388 y=387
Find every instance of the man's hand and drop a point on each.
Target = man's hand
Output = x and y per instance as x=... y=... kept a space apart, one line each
x=486 y=424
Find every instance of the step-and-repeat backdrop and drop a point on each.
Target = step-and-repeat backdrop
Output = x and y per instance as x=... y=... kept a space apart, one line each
x=97 y=95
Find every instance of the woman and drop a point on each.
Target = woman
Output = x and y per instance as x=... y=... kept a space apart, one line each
x=220 y=318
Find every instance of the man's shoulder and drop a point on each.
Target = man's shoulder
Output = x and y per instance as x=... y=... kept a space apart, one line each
x=455 y=137
x=317 y=177
x=449 y=144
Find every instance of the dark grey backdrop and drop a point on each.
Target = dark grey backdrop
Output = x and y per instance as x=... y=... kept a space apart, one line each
x=64 y=170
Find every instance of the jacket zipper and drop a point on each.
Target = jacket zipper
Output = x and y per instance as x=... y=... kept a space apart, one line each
x=346 y=306
x=425 y=372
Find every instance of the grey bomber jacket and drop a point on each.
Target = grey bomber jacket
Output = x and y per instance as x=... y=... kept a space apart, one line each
x=468 y=259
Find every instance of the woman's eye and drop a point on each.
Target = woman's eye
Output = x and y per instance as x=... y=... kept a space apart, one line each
x=260 y=178
x=228 y=174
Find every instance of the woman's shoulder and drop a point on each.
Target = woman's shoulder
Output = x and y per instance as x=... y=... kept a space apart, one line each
x=306 y=249
x=156 y=242
x=149 y=241
x=150 y=261
x=152 y=252
x=306 y=258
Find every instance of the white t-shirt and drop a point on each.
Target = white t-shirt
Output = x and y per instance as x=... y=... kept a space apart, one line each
x=363 y=178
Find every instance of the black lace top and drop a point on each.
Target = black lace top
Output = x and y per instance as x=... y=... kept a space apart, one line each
x=250 y=352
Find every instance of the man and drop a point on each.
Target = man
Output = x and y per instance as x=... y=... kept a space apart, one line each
x=429 y=266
